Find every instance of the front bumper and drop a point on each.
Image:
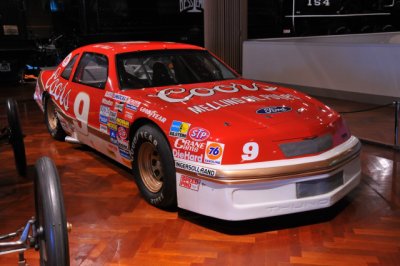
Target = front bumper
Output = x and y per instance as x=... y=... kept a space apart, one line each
x=232 y=197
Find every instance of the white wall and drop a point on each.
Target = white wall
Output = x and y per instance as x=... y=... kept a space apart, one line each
x=367 y=63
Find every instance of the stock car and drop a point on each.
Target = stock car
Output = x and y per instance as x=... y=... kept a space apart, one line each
x=198 y=136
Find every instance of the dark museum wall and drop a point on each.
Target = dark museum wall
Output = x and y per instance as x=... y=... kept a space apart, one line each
x=41 y=32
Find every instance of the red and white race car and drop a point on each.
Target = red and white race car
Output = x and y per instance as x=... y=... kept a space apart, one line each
x=197 y=135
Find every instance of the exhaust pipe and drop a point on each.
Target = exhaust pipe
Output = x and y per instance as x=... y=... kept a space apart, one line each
x=72 y=140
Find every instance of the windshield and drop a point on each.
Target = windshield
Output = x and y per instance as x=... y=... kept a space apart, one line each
x=169 y=67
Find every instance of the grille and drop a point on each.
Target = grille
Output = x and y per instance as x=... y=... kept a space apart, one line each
x=308 y=146
x=319 y=187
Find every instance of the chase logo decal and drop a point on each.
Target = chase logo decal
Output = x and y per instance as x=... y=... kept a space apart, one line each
x=214 y=152
x=274 y=110
x=179 y=129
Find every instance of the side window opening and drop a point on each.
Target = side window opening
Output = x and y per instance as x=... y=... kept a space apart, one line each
x=68 y=69
x=92 y=70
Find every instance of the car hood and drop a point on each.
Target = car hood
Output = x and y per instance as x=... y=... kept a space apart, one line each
x=240 y=106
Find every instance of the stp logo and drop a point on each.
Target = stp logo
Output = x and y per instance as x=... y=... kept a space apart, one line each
x=199 y=134
x=214 y=152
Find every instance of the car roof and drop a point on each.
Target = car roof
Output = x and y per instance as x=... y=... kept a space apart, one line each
x=136 y=46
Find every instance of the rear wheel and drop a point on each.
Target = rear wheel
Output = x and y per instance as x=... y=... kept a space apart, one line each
x=153 y=167
x=16 y=136
x=51 y=119
x=51 y=224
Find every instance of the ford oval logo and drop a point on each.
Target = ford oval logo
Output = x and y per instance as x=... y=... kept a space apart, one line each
x=274 y=110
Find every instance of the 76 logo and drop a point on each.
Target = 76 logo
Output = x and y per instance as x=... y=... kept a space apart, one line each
x=214 y=152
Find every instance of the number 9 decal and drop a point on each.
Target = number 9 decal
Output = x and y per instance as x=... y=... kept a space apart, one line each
x=250 y=151
x=81 y=111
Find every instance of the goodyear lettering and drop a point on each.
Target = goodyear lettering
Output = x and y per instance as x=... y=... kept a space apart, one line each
x=153 y=114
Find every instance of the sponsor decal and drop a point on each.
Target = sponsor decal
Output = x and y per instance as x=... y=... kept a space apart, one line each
x=189 y=145
x=125 y=153
x=189 y=182
x=123 y=144
x=58 y=89
x=195 y=169
x=103 y=129
x=179 y=129
x=131 y=107
x=132 y=104
x=112 y=148
x=112 y=126
x=214 y=152
x=185 y=155
x=122 y=122
x=105 y=110
x=108 y=102
x=153 y=114
x=128 y=115
x=122 y=133
x=66 y=60
x=175 y=95
x=274 y=110
x=109 y=94
x=120 y=97
x=216 y=105
x=199 y=134
x=113 y=136
x=103 y=119
x=113 y=116
x=119 y=107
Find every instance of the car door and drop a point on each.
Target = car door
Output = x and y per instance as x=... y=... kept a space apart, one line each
x=90 y=88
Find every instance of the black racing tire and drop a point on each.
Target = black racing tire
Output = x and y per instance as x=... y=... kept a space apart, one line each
x=16 y=136
x=153 y=167
x=50 y=220
x=51 y=119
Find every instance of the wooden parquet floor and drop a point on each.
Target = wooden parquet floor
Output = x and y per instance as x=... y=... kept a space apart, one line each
x=113 y=225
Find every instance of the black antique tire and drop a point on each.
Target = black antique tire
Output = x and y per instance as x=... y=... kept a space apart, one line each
x=50 y=118
x=153 y=167
x=16 y=136
x=51 y=224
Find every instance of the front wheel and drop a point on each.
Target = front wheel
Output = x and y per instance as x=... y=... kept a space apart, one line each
x=16 y=136
x=52 y=122
x=51 y=224
x=153 y=167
